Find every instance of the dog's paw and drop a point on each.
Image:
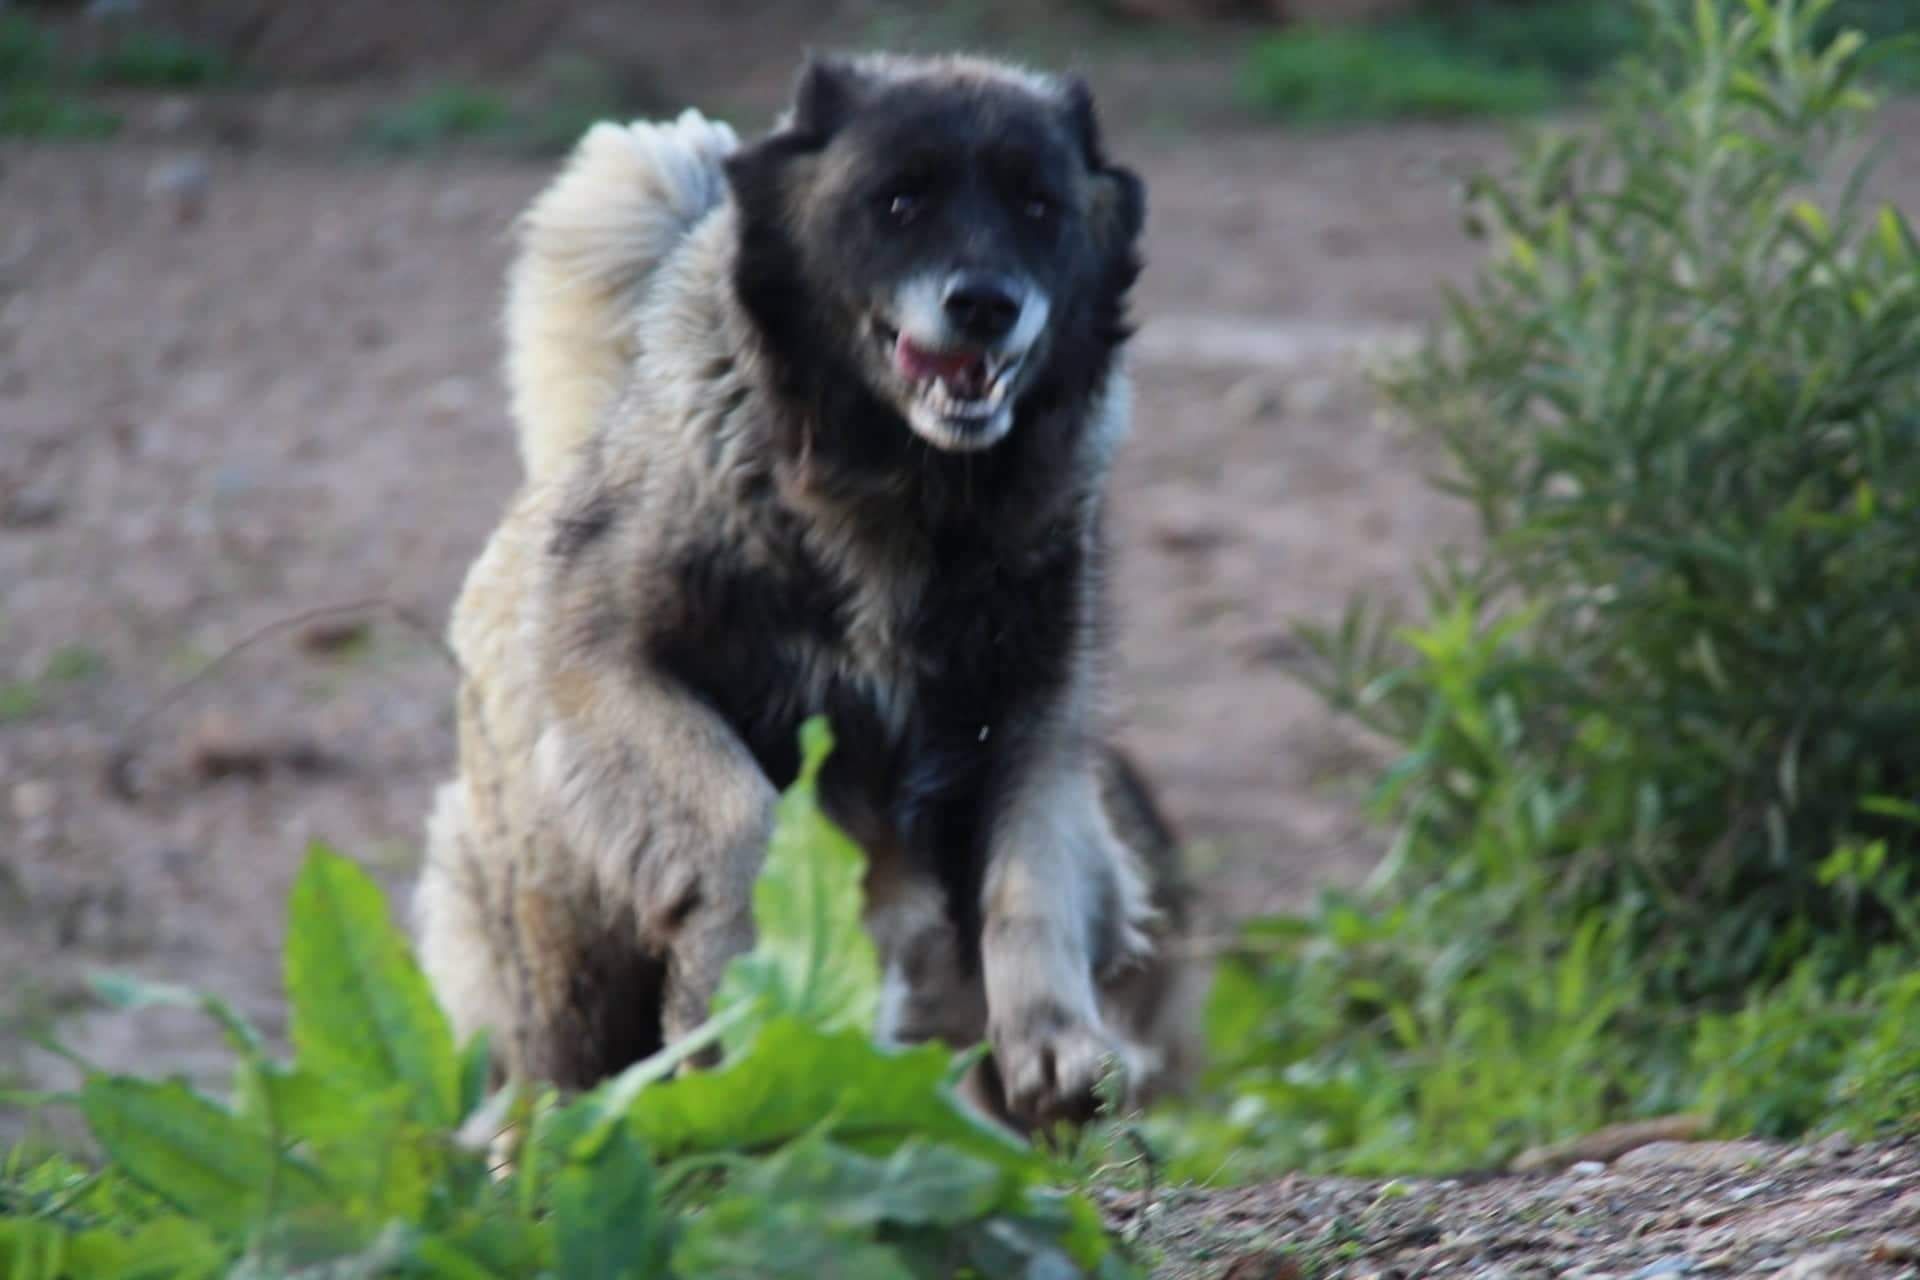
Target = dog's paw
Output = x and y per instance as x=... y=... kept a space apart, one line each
x=1051 y=1065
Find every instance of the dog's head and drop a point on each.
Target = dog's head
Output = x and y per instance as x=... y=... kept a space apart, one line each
x=949 y=231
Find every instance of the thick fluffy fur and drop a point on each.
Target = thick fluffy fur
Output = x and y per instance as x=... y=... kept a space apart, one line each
x=727 y=524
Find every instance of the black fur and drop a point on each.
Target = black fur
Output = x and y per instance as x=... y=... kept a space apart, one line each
x=1010 y=534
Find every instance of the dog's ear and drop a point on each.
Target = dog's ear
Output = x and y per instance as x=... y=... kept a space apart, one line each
x=826 y=93
x=1119 y=206
x=829 y=90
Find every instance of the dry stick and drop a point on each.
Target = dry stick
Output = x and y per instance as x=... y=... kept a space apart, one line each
x=120 y=763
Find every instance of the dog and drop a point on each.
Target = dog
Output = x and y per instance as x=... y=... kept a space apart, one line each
x=819 y=424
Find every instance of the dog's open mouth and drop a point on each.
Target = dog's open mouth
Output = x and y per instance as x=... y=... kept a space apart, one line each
x=962 y=385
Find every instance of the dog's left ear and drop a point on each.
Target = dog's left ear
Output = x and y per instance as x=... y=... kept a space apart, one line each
x=1119 y=197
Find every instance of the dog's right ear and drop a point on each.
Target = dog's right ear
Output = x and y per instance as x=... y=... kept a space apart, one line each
x=826 y=93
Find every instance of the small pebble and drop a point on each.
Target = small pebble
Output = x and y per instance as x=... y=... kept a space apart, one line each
x=1834 y=1145
x=1828 y=1264
x=33 y=800
x=184 y=183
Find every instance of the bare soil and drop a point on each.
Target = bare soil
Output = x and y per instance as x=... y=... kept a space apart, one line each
x=243 y=385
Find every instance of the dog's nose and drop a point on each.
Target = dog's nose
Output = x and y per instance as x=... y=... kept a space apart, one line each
x=982 y=308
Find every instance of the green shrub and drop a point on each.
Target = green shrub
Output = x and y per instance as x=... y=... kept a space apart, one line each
x=1655 y=806
x=1684 y=402
x=808 y=1150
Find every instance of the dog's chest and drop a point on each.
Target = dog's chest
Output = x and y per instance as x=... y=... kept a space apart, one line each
x=918 y=652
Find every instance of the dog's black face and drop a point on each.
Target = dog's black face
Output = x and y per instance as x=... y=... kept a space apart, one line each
x=953 y=237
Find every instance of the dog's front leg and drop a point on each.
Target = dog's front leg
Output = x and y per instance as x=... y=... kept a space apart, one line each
x=671 y=813
x=1064 y=908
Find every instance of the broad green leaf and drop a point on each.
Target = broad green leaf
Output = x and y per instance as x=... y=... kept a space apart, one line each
x=812 y=957
x=380 y=1161
x=1005 y=1247
x=489 y=1242
x=33 y=1249
x=747 y=1238
x=196 y=1156
x=797 y=1079
x=613 y=1099
x=363 y=1014
x=606 y=1218
x=920 y=1184
x=300 y=1105
x=447 y=1261
x=165 y=1249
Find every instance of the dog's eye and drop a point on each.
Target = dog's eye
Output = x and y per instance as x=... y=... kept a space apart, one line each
x=1038 y=207
x=904 y=206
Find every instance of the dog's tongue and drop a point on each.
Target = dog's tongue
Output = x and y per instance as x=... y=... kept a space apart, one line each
x=963 y=371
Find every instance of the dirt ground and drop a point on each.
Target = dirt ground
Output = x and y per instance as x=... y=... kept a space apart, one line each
x=1659 y=1212
x=242 y=386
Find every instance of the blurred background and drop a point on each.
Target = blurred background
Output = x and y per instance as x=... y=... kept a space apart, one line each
x=250 y=266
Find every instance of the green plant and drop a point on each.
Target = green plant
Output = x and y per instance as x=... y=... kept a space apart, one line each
x=434 y=117
x=1655 y=807
x=27 y=51
x=571 y=95
x=154 y=60
x=33 y=101
x=19 y=700
x=808 y=1147
x=1496 y=57
x=72 y=664
x=1571 y=40
x=1319 y=76
x=575 y=94
x=1683 y=402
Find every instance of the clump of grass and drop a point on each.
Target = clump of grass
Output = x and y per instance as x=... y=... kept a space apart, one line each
x=1571 y=40
x=1495 y=58
x=439 y=115
x=576 y=93
x=27 y=51
x=19 y=700
x=1322 y=76
x=572 y=94
x=155 y=60
x=40 y=111
x=68 y=665
x=35 y=100
x=74 y=663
